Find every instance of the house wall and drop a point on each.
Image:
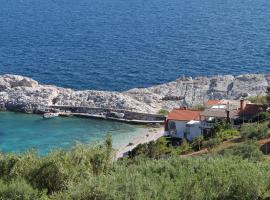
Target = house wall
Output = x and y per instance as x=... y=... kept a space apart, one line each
x=180 y=128
x=193 y=131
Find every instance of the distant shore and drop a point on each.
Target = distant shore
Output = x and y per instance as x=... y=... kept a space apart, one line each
x=23 y=94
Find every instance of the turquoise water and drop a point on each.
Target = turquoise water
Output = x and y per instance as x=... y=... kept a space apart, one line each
x=20 y=132
x=121 y=44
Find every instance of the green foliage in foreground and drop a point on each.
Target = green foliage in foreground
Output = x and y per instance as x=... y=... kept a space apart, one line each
x=254 y=131
x=227 y=134
x=172 y=178
x=249 y=150
x=160 y=149
x=88 y=172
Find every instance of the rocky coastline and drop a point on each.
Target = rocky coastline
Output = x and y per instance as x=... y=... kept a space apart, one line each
x=23 y=94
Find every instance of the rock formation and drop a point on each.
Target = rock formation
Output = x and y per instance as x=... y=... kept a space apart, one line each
x=23 y=94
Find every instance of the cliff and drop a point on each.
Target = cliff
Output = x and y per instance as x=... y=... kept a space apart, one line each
x=23 y=94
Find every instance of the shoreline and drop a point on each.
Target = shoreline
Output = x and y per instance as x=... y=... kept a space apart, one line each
x=121 y=141
x=148 y=135
x=23 y=94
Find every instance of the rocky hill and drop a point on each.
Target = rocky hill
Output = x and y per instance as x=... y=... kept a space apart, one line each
x=23 y=94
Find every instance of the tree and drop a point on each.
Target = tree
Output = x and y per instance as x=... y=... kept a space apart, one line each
x=268 y=95
x=197 y=142
x=254 y=131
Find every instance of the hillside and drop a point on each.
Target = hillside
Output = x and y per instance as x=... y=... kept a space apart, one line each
x=24 y=94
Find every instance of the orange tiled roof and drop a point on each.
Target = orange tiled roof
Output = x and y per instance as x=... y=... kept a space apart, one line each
x=213 y=102
x=184 y=115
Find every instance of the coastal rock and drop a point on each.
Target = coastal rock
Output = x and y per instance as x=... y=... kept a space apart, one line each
x=24 y=94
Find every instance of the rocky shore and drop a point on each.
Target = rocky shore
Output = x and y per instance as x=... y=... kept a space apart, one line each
x=18 y=93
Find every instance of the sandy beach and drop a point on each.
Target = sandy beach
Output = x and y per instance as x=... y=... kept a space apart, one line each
x=150 y=134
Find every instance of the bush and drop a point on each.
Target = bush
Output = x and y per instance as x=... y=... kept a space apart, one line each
x=19 y=190
x=254 y=131
x=221 y=126
x=163 y=112
x=227 y=134
x=177 y=178
x=263 y=116
x=211 y=143
x=249 y=150
x=197 y=143
x=51 y=176
x=258 y=99
x=71 y=175
x=160 y=149
x=198 y=107
x=153 y=149
x=183 y=149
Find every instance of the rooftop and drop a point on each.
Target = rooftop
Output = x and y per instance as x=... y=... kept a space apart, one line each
x=220 y=113
x=184 y=115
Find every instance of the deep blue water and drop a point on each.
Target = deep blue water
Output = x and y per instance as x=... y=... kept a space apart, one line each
x=21 y=132
x=121 y=44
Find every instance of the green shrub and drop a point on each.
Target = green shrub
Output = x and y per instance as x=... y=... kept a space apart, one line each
x=254 y=131
x=153 y=149
x=198 y=107
x=72 y=175
x=258 y=99
x=197 y=143
x=178 y=178
x=211 y=143
x=248 y=150
x=221 y=126
x=18 y=166
x=19 y=190
x=184 y=148
x=227 y=134
x=263 y=116
x=52 y=176
x=163 y=112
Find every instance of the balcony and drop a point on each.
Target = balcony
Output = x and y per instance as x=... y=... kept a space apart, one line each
x=205 y=124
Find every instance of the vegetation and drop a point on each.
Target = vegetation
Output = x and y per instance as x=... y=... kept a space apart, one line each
x=152 y=171
x=254 y=131
x=199 y=107
x=258 y=99
x=197 y=143
x=263 y=116
x=160 y=149
x=163 y=112
x=249 y=150
x=224 y=135
x=268 y=95
x=211 y=143
x=229 y=177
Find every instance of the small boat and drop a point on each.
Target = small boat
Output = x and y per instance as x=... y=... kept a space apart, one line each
x=50 y=115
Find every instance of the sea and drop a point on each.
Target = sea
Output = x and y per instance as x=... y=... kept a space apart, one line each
x=117 y=45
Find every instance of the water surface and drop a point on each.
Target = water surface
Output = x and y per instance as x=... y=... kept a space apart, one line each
x=20 y=132
x=121 y=44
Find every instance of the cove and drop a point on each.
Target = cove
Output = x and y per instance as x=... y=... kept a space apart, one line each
x=21 y=132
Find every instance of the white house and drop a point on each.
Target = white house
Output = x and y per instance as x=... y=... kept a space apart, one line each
x=183 y=123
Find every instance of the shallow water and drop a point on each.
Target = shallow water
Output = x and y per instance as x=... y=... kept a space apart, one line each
x=20 y=132
x=121 y=44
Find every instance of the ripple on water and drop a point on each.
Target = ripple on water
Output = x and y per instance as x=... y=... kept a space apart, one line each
x=20 y=132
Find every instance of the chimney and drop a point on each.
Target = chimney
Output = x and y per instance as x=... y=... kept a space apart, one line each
x=242 y=104
x=228 y=115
